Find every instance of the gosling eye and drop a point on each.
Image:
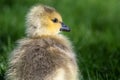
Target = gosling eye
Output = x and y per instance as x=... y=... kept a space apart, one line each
x=55 y=20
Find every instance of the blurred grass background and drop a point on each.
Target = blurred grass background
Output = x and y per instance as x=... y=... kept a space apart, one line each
x=95 y=33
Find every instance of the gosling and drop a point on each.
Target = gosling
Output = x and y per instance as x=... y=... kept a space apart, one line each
x=44 y=54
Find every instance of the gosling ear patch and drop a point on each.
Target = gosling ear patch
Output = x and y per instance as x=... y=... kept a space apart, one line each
x=49 y=10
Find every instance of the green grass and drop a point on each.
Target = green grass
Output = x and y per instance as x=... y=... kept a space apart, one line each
x=95 y=33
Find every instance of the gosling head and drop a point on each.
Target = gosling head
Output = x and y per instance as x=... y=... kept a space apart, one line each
x=44 y=20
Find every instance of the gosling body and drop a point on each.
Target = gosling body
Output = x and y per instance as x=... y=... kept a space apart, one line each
x=44 y=54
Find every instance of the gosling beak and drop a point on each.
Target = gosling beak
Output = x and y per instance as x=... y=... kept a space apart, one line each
x=64 y=28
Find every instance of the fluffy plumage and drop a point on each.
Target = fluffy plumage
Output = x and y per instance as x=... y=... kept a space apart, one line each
x=44 y=54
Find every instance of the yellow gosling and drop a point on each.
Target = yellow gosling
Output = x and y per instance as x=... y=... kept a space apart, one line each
x=44 y=54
